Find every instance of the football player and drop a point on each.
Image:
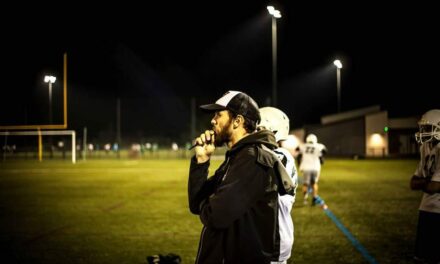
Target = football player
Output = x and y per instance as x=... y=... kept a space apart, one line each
x=427 y=179
x=277 y=121
x=311 y=157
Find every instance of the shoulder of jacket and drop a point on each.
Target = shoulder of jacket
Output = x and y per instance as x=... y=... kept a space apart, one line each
x=262 y=154
x=246 y=152
x=266 y=156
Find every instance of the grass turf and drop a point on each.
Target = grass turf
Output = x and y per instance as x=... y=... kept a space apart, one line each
x=120 y=211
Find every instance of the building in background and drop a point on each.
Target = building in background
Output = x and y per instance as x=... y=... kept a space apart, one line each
x=365 y=132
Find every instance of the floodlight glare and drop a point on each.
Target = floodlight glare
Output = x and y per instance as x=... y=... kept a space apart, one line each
x=270 y=9
x=49 y=79
x=338 y=64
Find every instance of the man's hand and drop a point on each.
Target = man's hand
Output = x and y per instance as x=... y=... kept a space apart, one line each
x=205 y=146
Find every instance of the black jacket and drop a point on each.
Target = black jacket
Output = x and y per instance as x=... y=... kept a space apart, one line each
x=238 y=204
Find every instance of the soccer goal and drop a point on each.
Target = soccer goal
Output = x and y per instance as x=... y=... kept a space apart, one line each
x=9 y=145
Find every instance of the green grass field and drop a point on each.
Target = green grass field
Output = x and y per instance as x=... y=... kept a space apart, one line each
x=120 y=211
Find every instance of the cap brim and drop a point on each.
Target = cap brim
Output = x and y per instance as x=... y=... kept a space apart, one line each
x=212 y=107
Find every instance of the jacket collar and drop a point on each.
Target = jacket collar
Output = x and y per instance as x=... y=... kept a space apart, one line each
x=264 y=137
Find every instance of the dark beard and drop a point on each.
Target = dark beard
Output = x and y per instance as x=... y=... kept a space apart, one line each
x=223 y=136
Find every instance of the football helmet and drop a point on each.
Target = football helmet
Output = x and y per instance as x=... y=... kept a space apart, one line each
x=429 y=127
x=275 y=120
x=311 y=138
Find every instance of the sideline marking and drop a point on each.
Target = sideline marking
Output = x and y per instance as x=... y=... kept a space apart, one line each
x=347 y=233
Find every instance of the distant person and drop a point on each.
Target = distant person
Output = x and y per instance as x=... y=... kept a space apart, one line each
x=238 y=205
x=311 y=157
x=277 y=121
x=427 y=179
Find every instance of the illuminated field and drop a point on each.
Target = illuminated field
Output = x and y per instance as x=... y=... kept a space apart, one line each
x=120 y=211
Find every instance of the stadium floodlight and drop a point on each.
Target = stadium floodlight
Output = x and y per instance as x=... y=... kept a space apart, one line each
x=47 y=126
x=275 y=14
x=50 y=79
x=272 y=11
x=338 y=65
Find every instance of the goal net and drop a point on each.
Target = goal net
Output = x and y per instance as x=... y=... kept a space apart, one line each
x=38 y=144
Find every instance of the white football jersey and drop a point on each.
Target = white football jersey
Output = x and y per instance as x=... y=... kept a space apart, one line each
x=310 y=156
x=285 y=204
x=429 y=167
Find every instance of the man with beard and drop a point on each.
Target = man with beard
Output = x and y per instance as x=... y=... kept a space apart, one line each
x=238 y=205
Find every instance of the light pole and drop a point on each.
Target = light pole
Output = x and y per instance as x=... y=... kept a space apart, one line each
x=338 y=65
x=50 y=79
x=275 y=14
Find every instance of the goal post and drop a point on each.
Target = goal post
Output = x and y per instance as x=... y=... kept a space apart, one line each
x=41 y=133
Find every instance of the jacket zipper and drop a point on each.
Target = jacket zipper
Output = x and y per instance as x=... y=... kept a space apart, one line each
x=227 y=169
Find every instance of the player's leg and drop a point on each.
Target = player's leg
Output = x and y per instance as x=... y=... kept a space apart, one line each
x=315 y=187
x=314 y=182
x=428 y=230
x=306 y=185
x=305 y=192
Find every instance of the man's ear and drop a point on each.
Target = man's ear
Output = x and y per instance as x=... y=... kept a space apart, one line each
x=237 y=121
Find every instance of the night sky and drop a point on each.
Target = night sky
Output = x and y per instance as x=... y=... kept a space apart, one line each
x=156 y=59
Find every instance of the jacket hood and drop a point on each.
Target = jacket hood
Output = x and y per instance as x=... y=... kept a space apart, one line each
x=264 y=137
x=266 y=157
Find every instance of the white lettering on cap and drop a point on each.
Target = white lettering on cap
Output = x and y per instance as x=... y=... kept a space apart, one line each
x=225 y=99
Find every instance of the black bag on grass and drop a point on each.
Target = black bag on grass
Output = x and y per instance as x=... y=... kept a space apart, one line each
x=164 y=259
